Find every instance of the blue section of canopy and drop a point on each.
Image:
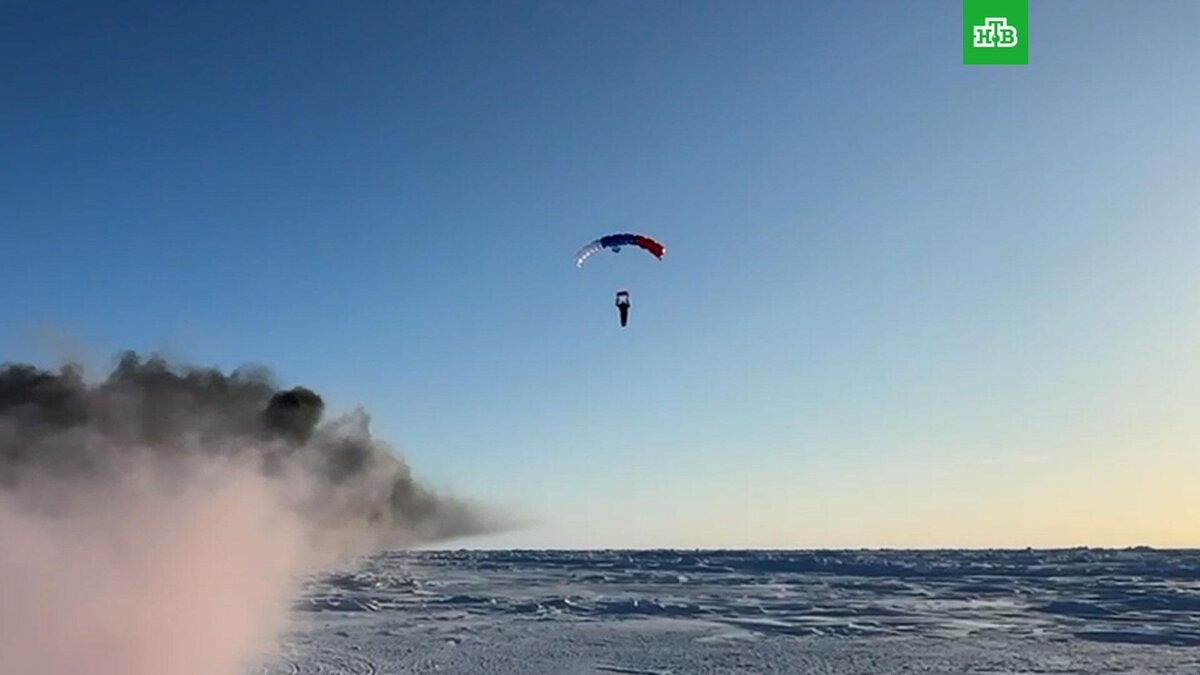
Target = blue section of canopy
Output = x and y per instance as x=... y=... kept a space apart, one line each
x=613 y=240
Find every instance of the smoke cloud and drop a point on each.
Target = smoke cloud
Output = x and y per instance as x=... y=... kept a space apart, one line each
x=154 y=523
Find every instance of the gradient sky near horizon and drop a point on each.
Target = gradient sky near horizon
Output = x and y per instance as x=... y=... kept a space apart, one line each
x=906 y=302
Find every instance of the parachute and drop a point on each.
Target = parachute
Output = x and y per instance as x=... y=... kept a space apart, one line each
x=616 y=241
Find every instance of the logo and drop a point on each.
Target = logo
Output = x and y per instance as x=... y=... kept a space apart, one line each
x=996 y=31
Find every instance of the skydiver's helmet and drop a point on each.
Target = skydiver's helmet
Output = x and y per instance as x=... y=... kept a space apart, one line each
x=622 y=298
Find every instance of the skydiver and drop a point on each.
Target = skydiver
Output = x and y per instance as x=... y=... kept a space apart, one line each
x=623 y=306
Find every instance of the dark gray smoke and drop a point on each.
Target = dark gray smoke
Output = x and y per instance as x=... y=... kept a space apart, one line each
x=56 y=429
x=155 y=523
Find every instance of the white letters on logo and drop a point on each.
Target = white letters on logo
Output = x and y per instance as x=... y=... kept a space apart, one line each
x=995 y=32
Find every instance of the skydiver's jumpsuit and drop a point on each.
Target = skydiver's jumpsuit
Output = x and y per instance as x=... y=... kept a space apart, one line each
x=623 y=307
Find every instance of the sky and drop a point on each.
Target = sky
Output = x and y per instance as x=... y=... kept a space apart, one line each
x=905 y=302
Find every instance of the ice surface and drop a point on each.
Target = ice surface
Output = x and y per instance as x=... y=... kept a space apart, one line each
x=656 y=612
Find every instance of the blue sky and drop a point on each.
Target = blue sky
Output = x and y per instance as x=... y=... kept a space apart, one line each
x=906 y=302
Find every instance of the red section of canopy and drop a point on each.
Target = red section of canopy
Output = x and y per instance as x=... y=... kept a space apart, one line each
x=656 y=249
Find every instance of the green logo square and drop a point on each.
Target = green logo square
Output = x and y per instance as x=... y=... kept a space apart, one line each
x=996 y=31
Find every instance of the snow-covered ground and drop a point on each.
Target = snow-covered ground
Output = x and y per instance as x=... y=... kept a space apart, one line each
x=994 y=612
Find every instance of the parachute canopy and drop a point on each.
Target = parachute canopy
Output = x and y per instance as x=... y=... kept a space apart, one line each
x=616 y=241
